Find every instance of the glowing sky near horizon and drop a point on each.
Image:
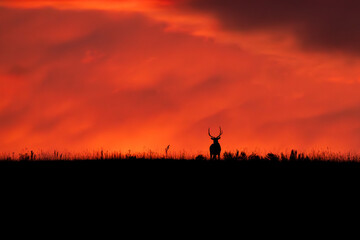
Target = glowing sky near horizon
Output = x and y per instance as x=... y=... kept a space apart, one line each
x=140 y=75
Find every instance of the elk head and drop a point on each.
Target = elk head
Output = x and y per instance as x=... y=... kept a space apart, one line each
x=215 y=139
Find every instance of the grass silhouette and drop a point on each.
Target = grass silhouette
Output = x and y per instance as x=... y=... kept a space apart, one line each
x=235 y=170
x=293 y=158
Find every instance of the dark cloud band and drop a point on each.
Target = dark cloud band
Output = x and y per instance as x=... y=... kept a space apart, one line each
x=318 y=25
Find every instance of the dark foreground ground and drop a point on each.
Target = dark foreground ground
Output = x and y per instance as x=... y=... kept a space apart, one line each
x=176 y=163
x=139 y=180
x=168 y=167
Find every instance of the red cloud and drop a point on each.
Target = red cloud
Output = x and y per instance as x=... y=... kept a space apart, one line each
x=89 y=79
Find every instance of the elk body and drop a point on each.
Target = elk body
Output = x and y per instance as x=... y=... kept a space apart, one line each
x=215 y=148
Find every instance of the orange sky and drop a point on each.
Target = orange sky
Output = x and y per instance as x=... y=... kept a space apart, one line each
x=140 y=75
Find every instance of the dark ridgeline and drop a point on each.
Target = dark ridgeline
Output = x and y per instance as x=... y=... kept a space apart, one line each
x=232 y=166
x=215 y=148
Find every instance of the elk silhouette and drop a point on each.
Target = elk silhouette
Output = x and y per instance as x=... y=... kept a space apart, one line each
x=215 y=148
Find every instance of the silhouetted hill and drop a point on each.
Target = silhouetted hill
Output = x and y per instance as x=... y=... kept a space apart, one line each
x=232 y=167
x=252 y=180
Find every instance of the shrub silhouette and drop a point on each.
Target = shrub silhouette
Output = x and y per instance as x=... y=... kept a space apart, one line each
x=254 y=157
x=229 y=156
x=24 y=157
x=272 y=157
x=293 y=155
x=243 y=156
x=200 y=158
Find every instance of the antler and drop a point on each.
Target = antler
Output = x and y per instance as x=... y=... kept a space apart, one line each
x=209 y=133
x=221 y=132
